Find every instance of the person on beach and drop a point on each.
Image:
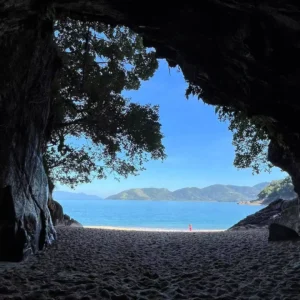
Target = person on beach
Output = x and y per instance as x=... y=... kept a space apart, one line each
x=190 y=227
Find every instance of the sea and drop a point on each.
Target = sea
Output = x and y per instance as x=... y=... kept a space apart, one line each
x=148 y=214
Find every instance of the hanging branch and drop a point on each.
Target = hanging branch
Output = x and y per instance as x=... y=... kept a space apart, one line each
x=86 y=54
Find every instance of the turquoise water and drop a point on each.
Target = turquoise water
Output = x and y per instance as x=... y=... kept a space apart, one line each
x=157 y=214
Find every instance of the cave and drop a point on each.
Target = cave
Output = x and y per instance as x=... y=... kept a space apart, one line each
x=240 y=54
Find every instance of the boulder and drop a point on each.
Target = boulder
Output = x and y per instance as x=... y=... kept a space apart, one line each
x=280 y=233
x=281 y=217
x=285 y=225
x=56 y=212
x=68 y=221
x=262 y=218
x=58 y=216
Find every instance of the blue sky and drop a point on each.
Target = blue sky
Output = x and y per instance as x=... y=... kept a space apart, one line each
x=198 y=145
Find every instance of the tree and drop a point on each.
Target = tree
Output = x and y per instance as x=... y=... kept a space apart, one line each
x=250 y=137
x=95 y=130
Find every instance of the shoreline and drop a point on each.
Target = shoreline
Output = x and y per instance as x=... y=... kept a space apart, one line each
x=255 y=203
x=151 y=229
x=114 y=264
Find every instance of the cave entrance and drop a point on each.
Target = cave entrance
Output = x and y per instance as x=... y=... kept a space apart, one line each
x=12 y=240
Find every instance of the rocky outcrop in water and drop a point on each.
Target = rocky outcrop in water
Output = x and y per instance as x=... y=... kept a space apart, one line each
x=68 y=221
x=56 y=212
x=263 y=218
x=281 y=217
x=58 y=216
x=239 y=53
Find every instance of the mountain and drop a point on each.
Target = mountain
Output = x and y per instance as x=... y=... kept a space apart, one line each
x=143 y=194
x=191 y=193
x=60 y=195
x=216 y=192
x=250 y=191
x=261 y=186
x=277 y=189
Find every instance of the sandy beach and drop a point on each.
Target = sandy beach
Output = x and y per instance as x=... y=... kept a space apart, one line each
x=117 y=264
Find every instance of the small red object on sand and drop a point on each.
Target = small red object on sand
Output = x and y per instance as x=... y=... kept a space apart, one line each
x=190 y=227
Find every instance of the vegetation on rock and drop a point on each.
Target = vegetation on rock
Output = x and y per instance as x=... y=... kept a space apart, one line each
x=94 y=129
x=277 y=189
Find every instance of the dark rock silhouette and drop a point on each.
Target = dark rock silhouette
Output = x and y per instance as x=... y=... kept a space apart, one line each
x=58 y=216
x=281 y=233
x=285 y=225
x=56 y=211
x=281 y=217
x=263 y=218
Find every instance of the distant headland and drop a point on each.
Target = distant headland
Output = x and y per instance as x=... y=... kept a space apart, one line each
x=216 y=192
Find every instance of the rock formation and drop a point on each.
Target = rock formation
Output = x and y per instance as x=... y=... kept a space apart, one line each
x=280 y=216
x=239 y=53
x=266 y=216
x=27 y=66
x=58 y=217
x=285 y=224
x=261 y=219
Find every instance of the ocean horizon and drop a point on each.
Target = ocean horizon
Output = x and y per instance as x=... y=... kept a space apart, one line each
x=157 y=214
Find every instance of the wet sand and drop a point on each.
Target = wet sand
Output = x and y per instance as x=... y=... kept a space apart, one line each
x=117 y=264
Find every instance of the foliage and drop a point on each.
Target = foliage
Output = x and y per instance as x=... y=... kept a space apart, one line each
x=283 y=189
x=113 y=135
x=193 y=90
x=250 y=138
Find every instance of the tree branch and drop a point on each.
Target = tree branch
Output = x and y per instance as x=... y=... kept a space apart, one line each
x=66 y=124
x=87 y=50
x=81 y=121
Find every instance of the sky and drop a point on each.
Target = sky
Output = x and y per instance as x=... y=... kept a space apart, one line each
x=198 y=146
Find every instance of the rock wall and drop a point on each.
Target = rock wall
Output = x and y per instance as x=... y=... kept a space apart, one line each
x=27 y=64
x=285 y=159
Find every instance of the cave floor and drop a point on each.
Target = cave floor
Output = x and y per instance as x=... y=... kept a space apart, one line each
x=111 y=264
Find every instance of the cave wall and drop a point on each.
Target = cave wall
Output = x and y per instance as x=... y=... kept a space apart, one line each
x=239 y=53
x=27 y=64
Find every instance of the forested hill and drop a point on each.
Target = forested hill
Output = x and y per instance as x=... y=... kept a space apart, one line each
x=277 y=189
x=216 y=192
